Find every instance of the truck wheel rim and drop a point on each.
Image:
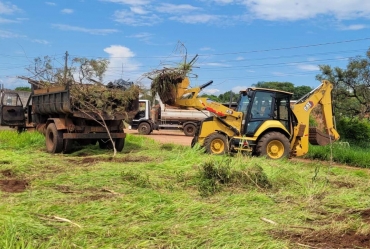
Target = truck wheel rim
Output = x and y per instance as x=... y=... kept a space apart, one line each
x=275 y=149
x=217 y=146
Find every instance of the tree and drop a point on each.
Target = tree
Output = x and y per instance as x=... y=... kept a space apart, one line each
x=298 y=91
x=23 y=88
x=227 y=96
x=211 y=97
x=283 y=86
x=351 y=86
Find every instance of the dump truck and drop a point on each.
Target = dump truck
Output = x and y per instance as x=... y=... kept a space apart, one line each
x=165 y=117
x=264 y=122
x=51 y=111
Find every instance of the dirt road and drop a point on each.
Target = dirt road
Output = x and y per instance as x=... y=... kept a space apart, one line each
x=165 y=136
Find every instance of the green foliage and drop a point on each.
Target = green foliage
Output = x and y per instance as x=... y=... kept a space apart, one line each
x=213 y=175
x=25 y=140
x=298 y=91
x=23 y=88
x=283 y=86
x=352 y=86
x=341 y=152
x=91 y=200
x=136 y=178
x=211 y=97
x=354 y=130
x=227 y=96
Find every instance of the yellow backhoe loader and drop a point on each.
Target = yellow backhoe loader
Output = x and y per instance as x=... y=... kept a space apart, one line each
x=264 y=123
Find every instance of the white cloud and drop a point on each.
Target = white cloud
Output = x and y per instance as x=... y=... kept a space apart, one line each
x=40 y=41
x=279 y=74
x=308 y=67
x=237 y=89
x=354 y=27
x=85 y=30
x=175 y=8
x=51 y=3
x=7 y=34
x=194 y=19
x=67 y=11
x=211 y=90
x=8 y=8
x=129 y=18
x=240 y=58
x=142 y=36
x=129 y=2
x=206 y=49
x=138 y=10
x=215 y=64
x=120 y=61
x=299 y=10
x=4 y=20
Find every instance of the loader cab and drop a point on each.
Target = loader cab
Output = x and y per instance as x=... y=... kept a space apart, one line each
x=260 y=105
x=11 y=109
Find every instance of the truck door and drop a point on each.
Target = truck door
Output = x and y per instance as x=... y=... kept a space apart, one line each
x=11 y=109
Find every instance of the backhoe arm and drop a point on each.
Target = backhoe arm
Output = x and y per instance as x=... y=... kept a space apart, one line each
x=302 y=109
x=188 y=97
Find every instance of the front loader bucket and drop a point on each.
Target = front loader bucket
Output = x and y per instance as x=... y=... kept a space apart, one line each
x=317 y=137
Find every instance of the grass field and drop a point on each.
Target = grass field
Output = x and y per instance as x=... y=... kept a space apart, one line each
x=170 y=196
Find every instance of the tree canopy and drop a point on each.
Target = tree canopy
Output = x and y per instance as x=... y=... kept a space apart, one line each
x=298 y=91
x=351 y=86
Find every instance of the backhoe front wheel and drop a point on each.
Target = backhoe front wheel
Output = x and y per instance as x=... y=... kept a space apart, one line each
x=273 y=145
x=216 y=143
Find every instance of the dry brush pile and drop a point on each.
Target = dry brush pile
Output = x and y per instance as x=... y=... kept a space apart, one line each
x=119 y=97
x=164 y=80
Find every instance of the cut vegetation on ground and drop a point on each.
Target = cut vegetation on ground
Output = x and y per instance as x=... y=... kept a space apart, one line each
x=155 y=195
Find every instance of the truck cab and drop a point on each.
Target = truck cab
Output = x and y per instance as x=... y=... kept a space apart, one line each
x=11 y=109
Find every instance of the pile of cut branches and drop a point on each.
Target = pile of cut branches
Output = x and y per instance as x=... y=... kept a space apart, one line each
x=164 y=81
x=98 y=97
x=119 y=97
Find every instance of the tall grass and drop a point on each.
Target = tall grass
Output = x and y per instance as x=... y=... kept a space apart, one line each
x=25 y=140
x=156 y=196
x=342 y=152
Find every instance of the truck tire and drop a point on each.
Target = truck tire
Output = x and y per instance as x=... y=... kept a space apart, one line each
x=144 y=128
x=273 y=145
x=216 y=143
x=120 y=143
x=54 y=139
x=190 y=129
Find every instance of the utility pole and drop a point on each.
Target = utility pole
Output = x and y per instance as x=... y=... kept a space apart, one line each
x=65 y=68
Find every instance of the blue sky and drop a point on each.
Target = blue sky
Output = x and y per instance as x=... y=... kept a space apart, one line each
x=239 y=42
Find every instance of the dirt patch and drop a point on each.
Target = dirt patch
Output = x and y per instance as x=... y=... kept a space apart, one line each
x=7 y=173
x=329 y=238
x=326 y=239
x=128 y=158
x=340 y=184
x=166 y=136
x=13 y=186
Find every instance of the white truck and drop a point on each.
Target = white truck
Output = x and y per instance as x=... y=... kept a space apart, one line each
x=162 y=116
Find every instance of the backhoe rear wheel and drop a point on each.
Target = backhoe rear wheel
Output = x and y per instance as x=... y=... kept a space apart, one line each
x=273 y=145
x=54 y=139
x=216 y=143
